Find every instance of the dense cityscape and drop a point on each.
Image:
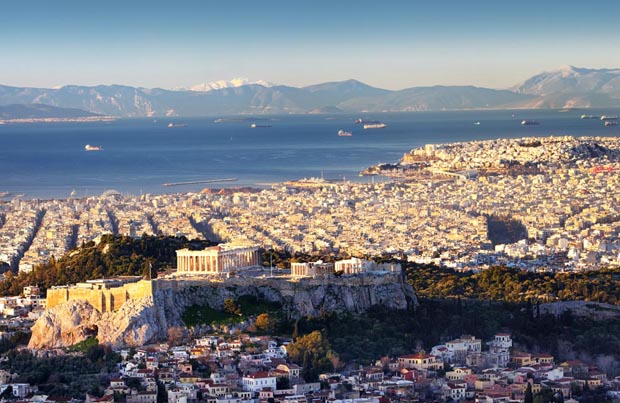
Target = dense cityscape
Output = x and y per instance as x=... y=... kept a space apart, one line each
x=442 y=208
x=440 y=216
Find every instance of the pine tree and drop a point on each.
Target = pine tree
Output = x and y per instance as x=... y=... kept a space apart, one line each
x=529 y=396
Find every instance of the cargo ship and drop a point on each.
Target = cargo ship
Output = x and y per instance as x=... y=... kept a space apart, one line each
x=589 y=117
x=529 y=123
x=343 y=133
x=255 y=126
x=609 y=117
x=611 y=123
x=375 y=126
x=361 y=121
x=88 y=147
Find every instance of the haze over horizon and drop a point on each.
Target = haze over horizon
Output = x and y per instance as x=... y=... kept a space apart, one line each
x=394 y=46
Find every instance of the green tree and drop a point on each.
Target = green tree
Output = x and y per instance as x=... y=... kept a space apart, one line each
x=314 y=353
x=529 y=396
x=231 y=307
x=8 y=393
x=282 y=383
x=264 y=323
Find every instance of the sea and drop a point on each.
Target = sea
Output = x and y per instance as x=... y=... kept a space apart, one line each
x=48 y=160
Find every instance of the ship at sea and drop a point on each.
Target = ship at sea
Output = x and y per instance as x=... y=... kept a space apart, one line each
x=611 y=123
x=343 y=133
x=255 y=126
x=589 y=117
x=604 y=117
x=529 y=123
x=88 y=147
x=361 y=121
x=172 y=125
x=375 y=126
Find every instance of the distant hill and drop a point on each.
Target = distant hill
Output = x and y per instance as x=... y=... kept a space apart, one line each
x=571 y=86
x=437 y=98
x=325 y=110
x=566 y=87
x=40 y=111
x=336 y=93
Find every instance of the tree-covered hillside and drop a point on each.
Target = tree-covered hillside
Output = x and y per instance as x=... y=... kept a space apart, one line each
x=112 y=256
x=514 y=285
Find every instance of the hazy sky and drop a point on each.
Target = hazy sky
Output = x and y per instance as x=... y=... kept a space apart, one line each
x=390 y=44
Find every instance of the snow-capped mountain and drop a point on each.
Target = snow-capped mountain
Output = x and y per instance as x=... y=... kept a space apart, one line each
x=221 y=84
x=567 y=87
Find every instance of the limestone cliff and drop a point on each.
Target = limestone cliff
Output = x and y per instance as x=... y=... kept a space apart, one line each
x=146 y=320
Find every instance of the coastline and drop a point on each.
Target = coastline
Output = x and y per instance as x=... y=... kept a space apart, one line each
x=86 y=119
x=46 y=161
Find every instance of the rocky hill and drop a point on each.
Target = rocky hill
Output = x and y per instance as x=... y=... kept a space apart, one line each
x=146 y=320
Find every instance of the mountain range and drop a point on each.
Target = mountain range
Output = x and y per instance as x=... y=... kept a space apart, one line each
x=567 y=87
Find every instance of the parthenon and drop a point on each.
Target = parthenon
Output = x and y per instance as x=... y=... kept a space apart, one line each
x=217 y=259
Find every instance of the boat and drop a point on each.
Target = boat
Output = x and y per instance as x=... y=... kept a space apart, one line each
x=88 y=147
x=255 y=126
x=584 y=116
x=477 y=123
x=529 y=123
x=604 y=117
x=375 y=126
x=171 y=125
x=611 y=123
x=362 y=121
x=343 y=133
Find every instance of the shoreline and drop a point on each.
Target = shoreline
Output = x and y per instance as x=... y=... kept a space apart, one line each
x=85 y=119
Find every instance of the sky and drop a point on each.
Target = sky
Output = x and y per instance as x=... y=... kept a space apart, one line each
x=388 y=44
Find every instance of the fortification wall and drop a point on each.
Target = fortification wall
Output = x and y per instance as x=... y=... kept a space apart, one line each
x=103 y=300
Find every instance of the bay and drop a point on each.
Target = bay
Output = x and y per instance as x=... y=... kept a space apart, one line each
x=48 y=160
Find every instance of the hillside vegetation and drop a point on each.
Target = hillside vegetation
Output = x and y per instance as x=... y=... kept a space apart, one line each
x=112 y=256
x=514 y=285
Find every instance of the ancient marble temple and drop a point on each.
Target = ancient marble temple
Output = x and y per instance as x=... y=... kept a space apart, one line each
x=223 y=258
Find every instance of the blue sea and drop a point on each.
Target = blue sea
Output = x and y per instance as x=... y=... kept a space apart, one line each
x=48 y=160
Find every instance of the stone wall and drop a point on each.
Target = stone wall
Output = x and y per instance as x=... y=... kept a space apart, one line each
x=103 y=300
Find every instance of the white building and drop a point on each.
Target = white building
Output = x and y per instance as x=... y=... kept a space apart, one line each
x=357 y=266
x=222 y=258
x=500 y=347
x=464 y=345
x=312 y=269
x=354 y=266
x=257 y=381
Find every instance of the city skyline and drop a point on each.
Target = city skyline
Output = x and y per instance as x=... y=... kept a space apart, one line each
x=393 y=46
